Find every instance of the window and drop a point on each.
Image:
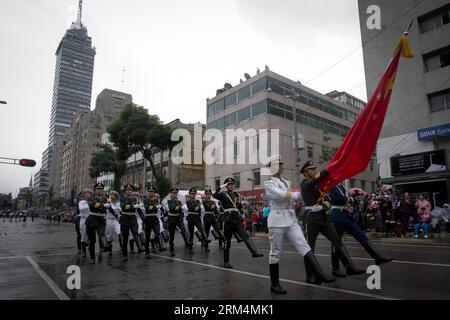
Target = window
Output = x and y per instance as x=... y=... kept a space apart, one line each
x=374 y=188
x=435 y=19
x=236 y=149
x=244 y=93
x=437 y=59
x=230 y=120
x=217 y=183
x=259 y=108
x=259 y=86
x=237 y=180
x=244 y=114
x=257 y=178
x=371 y=165
x=310 y=152
x=230 y=100
x=352 y=183
x=439 y=101
x=363 y=185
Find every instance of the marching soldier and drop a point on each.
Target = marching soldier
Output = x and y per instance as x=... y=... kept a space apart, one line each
x=174 y=211
x=194 y=210
x=232 y=206
x=343 y=221
x=152 y=205
x=128 y=221
x=210 y=218
x=139 y=216
x=317 y=220
x=96 y=222
x=283 y=221
x=77 y=221
x=112 y=220
x=84 y=210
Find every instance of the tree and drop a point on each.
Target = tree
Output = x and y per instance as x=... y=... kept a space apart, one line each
x=134 y=130
x=106 y=160
x=327 y=152
x=163 y=185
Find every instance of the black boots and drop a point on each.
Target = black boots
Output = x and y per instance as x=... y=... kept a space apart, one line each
x=83 y=249
x=275 y=279
x=226 y=258
x=120 y=241
x=172 y=249
x=252 y=248
x=350 y=268
x=314 y=272
x=160 y=244
x=109 y=248
x=335 y=263
x=186 y=239
x=374 y=254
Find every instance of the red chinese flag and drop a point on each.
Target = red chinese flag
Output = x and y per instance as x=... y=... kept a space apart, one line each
x=356 y=151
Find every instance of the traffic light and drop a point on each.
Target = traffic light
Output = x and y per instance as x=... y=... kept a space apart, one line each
x=27 y=163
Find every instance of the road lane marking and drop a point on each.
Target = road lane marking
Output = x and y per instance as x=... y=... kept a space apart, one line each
x=374 y=296
x=378 y=242
x=57 y=290
x=356 y=258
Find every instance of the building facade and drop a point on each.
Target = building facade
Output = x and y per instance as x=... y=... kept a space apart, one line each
x=72 y=89
x=414 y=146
x=82 y=139
x=184 y=176
x=271 y=101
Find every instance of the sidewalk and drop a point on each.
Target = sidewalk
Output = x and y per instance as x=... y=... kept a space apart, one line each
x=441 y=239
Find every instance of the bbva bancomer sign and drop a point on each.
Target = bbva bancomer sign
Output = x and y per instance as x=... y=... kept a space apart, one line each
x=434 y=132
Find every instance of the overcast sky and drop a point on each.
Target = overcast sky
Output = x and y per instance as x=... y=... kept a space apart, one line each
x=176 y=54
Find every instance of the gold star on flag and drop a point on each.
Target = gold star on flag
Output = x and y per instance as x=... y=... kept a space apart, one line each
x=389 y=85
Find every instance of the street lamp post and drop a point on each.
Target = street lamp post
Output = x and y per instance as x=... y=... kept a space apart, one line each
x=296 y=146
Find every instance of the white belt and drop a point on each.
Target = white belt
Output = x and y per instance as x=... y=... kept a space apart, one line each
x=129 y=214
x=97 y=214
x=173 y=214
x=338 y=207
x=209 y=212
x=151 y=215
x=194 y=213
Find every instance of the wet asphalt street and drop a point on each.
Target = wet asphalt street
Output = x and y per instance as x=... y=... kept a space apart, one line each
x=34 y=258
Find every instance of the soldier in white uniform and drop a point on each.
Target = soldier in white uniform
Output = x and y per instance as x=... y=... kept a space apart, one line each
x=83 y=206
x=283 y=221
x=112 y=220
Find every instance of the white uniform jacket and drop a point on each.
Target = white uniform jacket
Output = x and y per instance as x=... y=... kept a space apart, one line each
x=282 y=203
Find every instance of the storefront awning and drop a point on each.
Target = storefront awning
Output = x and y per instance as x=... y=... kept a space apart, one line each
x=417 y=178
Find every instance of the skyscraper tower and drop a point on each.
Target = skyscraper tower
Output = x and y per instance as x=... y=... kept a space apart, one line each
x=73 y=77
x=72 y=90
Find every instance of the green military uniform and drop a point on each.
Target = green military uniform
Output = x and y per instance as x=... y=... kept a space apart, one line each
x=231 y=203
x=96 y=222
x=175 y=219
x=128 y=222
x=152 y=220
x=317 y=220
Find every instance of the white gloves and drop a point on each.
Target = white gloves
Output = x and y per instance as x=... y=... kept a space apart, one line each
x=296 y=196
x=136 y=206
x=107 y=205
x=223 y=186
